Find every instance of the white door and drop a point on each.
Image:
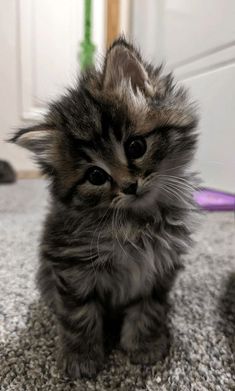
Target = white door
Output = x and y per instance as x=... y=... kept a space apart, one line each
x=196 y=38
x=40 y=43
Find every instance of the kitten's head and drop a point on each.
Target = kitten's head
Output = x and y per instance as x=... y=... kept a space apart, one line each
x=115 y=139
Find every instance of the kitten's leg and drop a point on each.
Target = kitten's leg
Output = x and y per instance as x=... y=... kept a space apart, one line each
x=81 y=332
x=144 y=335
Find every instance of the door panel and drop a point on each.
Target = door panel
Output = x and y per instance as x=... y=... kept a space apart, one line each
x=197 y=42
x=40 y=41
x=216 y=155
x=195 y=28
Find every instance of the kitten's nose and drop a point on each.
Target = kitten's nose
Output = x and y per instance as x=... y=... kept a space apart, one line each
x=130 y=188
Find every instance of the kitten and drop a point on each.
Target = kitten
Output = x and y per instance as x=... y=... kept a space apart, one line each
x=117 y=150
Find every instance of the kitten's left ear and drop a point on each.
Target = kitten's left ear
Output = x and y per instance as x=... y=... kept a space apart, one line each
x=37 y=139
x=124 y=62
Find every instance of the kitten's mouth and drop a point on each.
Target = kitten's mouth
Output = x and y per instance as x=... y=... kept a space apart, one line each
x=144 y=199
x=140 y=200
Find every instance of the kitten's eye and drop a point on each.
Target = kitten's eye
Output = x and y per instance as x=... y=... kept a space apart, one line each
x=97 y=176
x=135 y=147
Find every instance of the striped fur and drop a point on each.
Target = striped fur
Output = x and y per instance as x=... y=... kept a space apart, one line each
x=104 y=252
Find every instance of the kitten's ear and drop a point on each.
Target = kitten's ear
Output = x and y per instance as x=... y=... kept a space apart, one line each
x=37 y=139
x=124 y=62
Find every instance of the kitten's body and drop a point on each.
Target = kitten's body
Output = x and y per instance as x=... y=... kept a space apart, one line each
x=119 y=260
x=113 y=241
x=127 y=269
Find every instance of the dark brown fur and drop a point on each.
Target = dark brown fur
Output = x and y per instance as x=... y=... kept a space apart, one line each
x=116 y=248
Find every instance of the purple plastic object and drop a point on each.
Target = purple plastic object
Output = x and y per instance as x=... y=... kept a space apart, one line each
x=214 y=200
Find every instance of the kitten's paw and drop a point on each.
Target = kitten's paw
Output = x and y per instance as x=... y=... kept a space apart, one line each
x=89 y=368
x=77 y=366
x=150 y=353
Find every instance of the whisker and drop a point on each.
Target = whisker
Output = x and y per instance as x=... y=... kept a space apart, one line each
x=175 y=194
x=178 y=180
x=104 y=219
x=180 y=187
x=175 y=167
x=93 y=238
x=116 y=220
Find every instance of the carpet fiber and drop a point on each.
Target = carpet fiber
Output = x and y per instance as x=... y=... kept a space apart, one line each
x=202 y=316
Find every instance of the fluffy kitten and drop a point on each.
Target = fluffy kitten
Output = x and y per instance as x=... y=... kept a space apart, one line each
x=116 y=149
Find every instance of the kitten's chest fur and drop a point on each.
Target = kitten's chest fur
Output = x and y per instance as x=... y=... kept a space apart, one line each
x=132 y=259
x=119 y=262
x=130 y=269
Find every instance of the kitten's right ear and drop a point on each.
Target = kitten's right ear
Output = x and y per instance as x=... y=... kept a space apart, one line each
x=37 y=139
x=123 y=62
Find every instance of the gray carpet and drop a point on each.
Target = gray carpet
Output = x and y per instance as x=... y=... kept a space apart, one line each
x=202 y=317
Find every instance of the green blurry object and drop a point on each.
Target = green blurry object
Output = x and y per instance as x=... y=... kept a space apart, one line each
x=87 y=47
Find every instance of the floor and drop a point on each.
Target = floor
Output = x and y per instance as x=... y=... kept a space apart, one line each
x=202 y=317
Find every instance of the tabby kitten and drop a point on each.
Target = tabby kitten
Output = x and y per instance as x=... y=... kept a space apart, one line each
x=117 y=150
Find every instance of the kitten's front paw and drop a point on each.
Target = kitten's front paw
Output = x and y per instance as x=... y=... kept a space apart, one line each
x=150 y=353
x=77 y=366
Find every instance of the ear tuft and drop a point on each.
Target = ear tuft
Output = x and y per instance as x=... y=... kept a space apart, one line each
x=36 y=138
x=123 y=62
